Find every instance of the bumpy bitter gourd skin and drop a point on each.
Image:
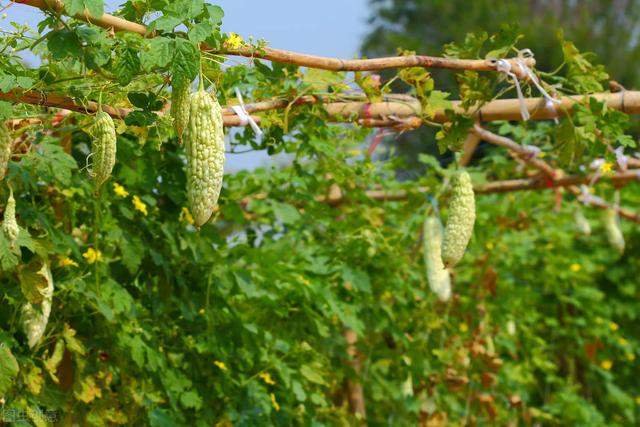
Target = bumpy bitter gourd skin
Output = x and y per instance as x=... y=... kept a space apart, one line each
x=204 y=143
x=614 y=234
x=34 y=321
x=6 y=144
x=103 y=148
x=462 y=216
x=437 y=275
x=180 y=108
x=9 y=223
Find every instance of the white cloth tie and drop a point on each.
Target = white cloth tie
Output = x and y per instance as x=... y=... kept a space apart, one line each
x=244 y=116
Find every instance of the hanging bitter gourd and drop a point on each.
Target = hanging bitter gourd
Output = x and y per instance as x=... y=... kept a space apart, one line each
x=614 y=234
x=582 y=224
x=180 y=107
x=34 y=320
x=103 y=148
x=6 y=145
x=462 y=216
x=204 y=143
x=9 y=223
x=437 y=275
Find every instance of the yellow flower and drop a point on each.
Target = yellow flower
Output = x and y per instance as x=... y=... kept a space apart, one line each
x=463 y=327
x=489 y=245
x=606 y=364
x=67 y=262
x=613 y=326
x=220 y=365
x=274 y=402
x=91 y=255
x=186 y=216
x=304 y=281
x=575 y=267
x=637 y=400
x=234 y=41
x=266 y=377
x=622 y=341
x=119 y=190
x=202 y=312
x=631 y=357
x=606 y=167
x=139 y=205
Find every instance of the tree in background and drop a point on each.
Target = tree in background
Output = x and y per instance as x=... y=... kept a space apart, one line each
x=611 y=29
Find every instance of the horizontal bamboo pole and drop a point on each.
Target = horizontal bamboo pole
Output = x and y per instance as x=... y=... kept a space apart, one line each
x=90 y=107
x=403 y=115
x=294 y=58
x=501 y=109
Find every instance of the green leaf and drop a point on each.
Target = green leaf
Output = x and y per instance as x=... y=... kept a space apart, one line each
x=186 y=10
x=186 y=62
x=140 y=118
x=6 y=110
x=312 y=375
x=8 y=369
x=127 y=66
x=191 y=400
x=156 y=52
x=74 y=7
x=165 y=23
x=199 y=32
x=286 y=213
x=52 y=363
x=63 y=43
x=357 y=278
x=95 y=7
x=215 y=13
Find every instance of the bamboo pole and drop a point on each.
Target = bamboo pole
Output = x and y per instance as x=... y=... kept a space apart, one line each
x=90 y=107
x=402 y=115
x=294 y=58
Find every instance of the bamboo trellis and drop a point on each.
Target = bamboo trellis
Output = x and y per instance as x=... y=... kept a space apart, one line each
x=286 y=57
x=400 y=112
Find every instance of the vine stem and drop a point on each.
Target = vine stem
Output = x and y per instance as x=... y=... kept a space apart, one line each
x=96 y=225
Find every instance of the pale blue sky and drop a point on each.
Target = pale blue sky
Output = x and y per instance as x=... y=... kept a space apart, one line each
x=329 y=27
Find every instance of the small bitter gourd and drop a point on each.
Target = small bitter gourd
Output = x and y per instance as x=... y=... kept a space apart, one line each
x=6 y=145
x=9 y=223
x=204 y=144
x=582 y=224
x=462 y=216
x=180 y=108
x=614 y=234
x=103 y=148
x=437 y=275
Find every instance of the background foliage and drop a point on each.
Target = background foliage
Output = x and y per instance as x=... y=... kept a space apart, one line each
x=242 y=322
